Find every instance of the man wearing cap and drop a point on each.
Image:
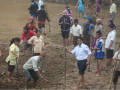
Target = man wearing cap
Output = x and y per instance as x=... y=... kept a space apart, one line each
x=42 y=16
x=88 y=27
x=65 y=23
x=32 y=68
x=33 y=9
x=83 y=55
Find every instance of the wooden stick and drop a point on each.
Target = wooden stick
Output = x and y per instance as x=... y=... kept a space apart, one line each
x=65 y=66
x=44 y=78
x=17 y=66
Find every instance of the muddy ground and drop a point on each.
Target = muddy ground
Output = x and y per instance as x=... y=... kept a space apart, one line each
x=13 y=18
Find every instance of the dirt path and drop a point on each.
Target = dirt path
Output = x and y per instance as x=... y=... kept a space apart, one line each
x=13 y=18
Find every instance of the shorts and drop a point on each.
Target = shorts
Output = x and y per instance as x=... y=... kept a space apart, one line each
x=36 y=54
x=99 y=59
x=112 y=17
x=115 y=76
x=82 y=66
x=10 y=67
x=33 y=15
x=31 y=73
x=109 y=54
x=98 y=10
x=65 y=34
x=75 y=40
x=25 y=46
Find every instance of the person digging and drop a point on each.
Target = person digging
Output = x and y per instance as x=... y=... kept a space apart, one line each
x=83 y=56
x=32 y=68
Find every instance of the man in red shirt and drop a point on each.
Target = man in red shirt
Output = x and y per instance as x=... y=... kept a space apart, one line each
x=26 y=35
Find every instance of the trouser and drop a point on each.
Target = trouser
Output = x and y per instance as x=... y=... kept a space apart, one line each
x=86 y=40
x=41 y=28
x=112 y=17
x=116 y=75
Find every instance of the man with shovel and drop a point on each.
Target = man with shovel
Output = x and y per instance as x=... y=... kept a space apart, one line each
x=83 y=56
x=32 y=68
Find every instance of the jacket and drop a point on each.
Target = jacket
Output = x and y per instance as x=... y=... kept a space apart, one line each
x=33 y=8
x=65 y=26
x=90 y=27
x=42 y=16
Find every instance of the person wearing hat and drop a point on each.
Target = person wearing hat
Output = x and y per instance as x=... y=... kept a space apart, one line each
x=33 y=9
x=88 y=27
x=76 y=31
x=65 y=23
x=31 y=25
x=42 y=16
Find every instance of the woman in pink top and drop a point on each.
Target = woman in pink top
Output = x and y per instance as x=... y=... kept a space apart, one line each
x=26 y=35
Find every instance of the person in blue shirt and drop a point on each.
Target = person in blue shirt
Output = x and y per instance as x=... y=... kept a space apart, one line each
x=99 y=52
x=88 y=27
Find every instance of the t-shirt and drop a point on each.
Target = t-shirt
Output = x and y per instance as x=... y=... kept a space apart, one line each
x=86 y=29
x=117 y=56
x=97 y=28
x=111 y=37
x=31 y=27
x=26 y=37
x=81 y=52
x=100 y=46
x=76 y=30
x=113 y=8
x=38 y=43
x=12 y=57
x=33 y=63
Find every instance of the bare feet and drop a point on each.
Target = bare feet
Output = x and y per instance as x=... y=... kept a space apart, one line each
x=95 y=71
x=82 y=87
x=8 y=79
x=113 y=89
x=75 y=88
x=23 y=55
x=12 y=78
x=97 y=75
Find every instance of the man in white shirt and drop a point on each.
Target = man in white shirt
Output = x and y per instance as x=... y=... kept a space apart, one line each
x=76 y=31
x=113 y=10
x=32 y=68
x=83 y=56
x=110 y=44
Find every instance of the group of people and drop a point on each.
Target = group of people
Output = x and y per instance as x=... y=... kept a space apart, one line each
x=80 y=6
x=32 y=38
x=83 y=47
